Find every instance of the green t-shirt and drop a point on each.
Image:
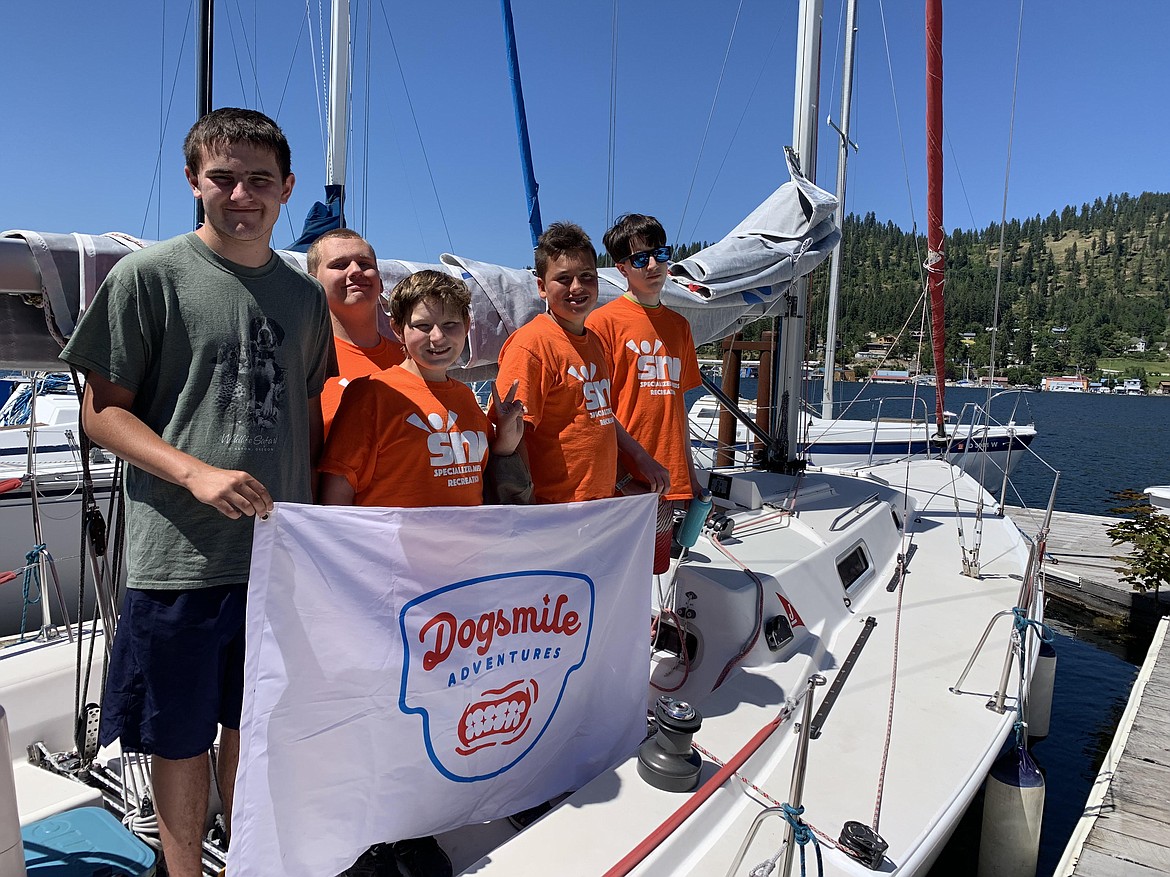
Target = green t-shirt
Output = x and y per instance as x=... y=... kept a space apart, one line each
x=222 y=360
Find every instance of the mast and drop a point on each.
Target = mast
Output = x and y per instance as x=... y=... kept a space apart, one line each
x=530 y=185
x=935 y=235
x=805 y=111
x=204 y=70
x=842 y=161
x=338 y=105
x=329 y=214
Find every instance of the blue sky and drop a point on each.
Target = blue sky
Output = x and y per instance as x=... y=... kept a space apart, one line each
x=99 y=96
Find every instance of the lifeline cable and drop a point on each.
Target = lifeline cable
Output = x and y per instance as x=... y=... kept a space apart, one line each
x=635 y=856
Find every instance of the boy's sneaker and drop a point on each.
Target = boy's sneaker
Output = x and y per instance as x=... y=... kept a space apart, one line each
x=377 y=861
x=525 y=818
x=422 y=857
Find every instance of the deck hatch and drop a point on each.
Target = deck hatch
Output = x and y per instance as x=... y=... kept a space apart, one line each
x=853 y=566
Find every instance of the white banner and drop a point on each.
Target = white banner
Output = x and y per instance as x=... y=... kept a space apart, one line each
x=409 y=671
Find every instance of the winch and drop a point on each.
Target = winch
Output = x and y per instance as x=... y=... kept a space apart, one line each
x=667 y=760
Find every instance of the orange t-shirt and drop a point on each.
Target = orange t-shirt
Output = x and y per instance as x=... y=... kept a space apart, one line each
x=652 y=363
x=571 y=434
x=404 y=442
x=356 y=362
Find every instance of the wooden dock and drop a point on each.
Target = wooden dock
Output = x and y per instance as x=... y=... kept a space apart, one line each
x=1080 y=566
x=1125 y=828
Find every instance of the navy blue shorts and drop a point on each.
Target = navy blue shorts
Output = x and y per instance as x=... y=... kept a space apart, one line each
x=177 y=670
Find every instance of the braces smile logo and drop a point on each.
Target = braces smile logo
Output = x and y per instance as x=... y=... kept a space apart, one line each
x=487 y=662
x=596 y=392
x=449 y=446
x=502 y=719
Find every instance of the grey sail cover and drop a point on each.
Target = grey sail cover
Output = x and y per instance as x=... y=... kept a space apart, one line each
x=47 y=279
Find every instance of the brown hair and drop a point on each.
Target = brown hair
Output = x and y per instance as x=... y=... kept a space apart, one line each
x=230 y=125
x=619 y=240
x=443 y=288
x=561 y=238
x=314 y=255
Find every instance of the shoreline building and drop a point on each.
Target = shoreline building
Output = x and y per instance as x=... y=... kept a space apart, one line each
x=1065 y=384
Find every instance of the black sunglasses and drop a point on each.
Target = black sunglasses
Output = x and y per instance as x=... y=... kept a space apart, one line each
x=641 y=258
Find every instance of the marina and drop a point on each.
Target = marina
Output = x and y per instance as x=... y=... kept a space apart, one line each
x=842 y=574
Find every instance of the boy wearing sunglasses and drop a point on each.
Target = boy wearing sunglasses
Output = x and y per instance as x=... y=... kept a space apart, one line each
x=571 y=439
x=652 y=362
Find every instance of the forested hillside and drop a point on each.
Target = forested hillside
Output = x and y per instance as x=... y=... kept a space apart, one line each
x=1078 y=285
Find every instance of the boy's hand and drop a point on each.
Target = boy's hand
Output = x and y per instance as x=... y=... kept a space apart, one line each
x=509 y=421
x=232 y=492
x=654 y=473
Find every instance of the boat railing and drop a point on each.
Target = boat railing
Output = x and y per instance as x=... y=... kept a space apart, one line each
x=878 y=408
x=791 y=811
x=1027 y=614
x=868 y=502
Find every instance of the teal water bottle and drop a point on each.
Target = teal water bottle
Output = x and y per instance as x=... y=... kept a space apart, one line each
x=696 y=517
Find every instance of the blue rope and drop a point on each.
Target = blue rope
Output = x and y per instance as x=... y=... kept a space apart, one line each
x=1023 y=622
x=802 y=834
x=18 y=409
x=32 y=579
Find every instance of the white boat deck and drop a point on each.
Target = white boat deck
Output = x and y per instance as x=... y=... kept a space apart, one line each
x=941 y=744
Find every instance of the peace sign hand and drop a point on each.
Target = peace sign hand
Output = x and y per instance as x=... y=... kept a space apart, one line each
x=509 y=420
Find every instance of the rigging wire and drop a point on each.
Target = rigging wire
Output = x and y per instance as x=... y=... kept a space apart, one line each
x=841 y=16
x=917 y=248
x=1003 y=211
x=162 y=92
x=710 y=116
x=974 y=555
x=735 y=133
x=164 y=121
x=613 y=94
x=284 y=91
x=366 y=122
x=291 y=64
x=901 y=139
x=250 y=55
x=321 y=86
x=958 y=173
x=417 y=130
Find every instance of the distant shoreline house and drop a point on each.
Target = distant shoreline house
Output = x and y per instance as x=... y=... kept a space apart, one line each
x=1065 y=384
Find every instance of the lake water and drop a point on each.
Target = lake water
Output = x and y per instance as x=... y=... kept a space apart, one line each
x=1099 y=444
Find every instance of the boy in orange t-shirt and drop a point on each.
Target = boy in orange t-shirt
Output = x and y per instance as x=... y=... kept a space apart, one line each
x=410 y=436
x=651 y=358
x=571 y=438
x=345 y=264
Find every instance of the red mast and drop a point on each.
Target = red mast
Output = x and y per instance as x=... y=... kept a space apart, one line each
x=935 y=235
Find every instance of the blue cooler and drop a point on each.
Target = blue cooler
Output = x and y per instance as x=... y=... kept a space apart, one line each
x=86 y=842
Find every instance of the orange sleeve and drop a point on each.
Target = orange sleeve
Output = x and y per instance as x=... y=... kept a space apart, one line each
x=352 y=445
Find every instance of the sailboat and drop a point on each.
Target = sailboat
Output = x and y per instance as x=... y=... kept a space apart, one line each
x=828 y=654
x=891 y=428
